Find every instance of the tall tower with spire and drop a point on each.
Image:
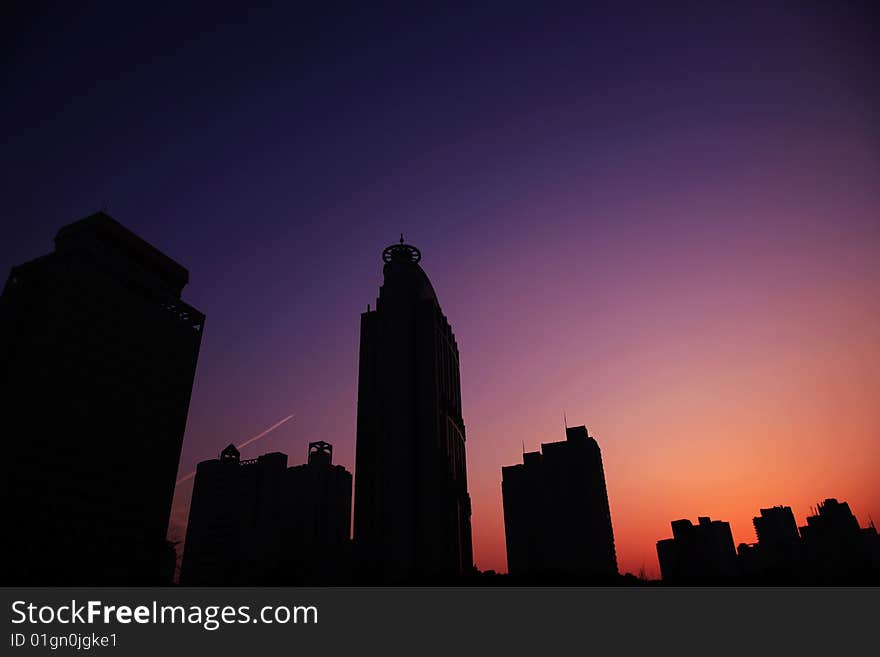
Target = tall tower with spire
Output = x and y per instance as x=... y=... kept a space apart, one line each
x=412 y=508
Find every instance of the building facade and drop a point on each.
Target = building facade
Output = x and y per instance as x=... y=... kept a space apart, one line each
x=97 y=358
x=412 y=508
x=557 y=520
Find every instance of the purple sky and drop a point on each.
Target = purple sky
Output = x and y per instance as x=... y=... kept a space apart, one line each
x=654 y=220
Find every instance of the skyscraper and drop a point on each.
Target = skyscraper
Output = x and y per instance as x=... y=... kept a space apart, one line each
x=557 y=521
x=412 y=508
x=97 y=358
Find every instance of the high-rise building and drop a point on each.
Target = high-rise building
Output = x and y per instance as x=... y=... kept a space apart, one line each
x=777 y=556
x=97 y=358
x=259 y=522
x=698 y=553
x=233 y=535
x=776 y=526
x=557 y=520
x=412 y=509
x=318 y=520
x=837 y=549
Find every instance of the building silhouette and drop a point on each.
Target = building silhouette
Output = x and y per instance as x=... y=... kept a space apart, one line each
x=837 y=549
x=830 y=549
x=557 y=521
x=776 y=526
x=778 y=554
x=317 y=537
x=698 y=553
x=258 y=521
x=412 y=508
x=97 y=358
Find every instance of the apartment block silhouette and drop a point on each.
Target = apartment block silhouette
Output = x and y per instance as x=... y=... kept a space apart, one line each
x=557 y=520
x=259 y=521
x=698 y=553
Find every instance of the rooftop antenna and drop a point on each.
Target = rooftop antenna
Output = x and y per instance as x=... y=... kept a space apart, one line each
x=401 y=238
x=524 y=448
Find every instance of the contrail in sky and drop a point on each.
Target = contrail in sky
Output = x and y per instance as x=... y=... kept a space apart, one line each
x=247 y=442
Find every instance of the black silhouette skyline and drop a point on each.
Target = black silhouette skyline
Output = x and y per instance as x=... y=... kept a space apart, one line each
x=97 y=331
x=659 y=220
x=830 y=549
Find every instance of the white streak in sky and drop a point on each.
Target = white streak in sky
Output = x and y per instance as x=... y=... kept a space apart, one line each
x=247 y=442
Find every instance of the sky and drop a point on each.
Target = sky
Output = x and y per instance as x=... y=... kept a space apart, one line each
x=661 y=222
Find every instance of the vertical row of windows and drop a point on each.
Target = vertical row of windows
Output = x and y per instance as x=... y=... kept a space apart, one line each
x=454 y=450
x=447 y=366
x=449 y=392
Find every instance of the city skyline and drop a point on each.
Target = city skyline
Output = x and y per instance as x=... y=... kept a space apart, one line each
x=646 y=567
x=408 y=378
x=665 y=229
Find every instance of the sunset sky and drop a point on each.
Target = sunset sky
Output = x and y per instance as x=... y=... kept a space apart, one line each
x=664 y=224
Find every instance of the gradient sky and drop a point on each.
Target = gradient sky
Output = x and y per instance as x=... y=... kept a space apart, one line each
x=663 y=223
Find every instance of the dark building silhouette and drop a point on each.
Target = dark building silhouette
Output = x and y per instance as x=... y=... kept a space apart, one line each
x=778 y=554
x=259 y=522
x=97 y=359
x=317 y=537
x=698 y=553
x=830 y=549
x=235 y=516
x=412 y=508
x=837 y=549
x=557 y=521
x=320 y=498
x=776 y=526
